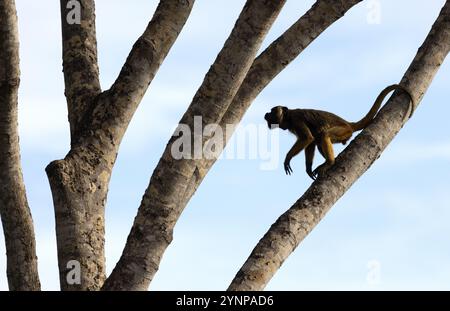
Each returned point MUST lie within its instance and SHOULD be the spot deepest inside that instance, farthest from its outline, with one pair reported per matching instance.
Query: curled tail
(376, 106)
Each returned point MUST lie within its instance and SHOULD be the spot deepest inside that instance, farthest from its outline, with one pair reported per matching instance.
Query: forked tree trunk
(294, 225)
(16, 216)
(79, 182)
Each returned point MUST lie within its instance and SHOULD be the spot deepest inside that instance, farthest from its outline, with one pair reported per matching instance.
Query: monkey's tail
(364, 122)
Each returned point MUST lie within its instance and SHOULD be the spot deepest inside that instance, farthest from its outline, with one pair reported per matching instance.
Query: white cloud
(157, 116)
(407, 153)
(47, 261)
(43, 125)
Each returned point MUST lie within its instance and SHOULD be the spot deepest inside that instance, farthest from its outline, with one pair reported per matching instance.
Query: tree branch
(81, 73)
(295, 224)
(79, 182)
(16, 216)
(153, 226)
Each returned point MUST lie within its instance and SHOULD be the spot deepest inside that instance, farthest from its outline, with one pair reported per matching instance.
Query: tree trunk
(294, 225)
(79, 182)
(170, 183)
(16, 216)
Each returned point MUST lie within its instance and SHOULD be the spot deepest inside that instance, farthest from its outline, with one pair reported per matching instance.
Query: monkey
(321, 129)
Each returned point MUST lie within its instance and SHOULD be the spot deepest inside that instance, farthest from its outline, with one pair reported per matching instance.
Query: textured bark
(160, 207)
(295, 224)
(269, 64)
(81, 74)
(16, 216)
(80, 181)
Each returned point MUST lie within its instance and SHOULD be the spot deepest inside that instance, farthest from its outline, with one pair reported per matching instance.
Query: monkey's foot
(320, 170)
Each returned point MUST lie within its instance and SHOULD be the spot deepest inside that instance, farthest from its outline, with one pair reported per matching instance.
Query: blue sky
(396, 215)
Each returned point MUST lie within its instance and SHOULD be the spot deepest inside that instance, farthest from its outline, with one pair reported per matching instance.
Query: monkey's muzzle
(271, 121)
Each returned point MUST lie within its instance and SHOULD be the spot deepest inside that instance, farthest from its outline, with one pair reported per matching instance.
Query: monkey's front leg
(298, 146)
(287, 165)
(309, 157)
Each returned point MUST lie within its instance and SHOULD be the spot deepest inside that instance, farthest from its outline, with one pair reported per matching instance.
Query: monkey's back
(319, 120)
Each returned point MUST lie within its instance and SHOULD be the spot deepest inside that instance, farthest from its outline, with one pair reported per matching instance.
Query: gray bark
(295, 224)
(17, 223)
(79, 52)
(172, 179)
(80, 181)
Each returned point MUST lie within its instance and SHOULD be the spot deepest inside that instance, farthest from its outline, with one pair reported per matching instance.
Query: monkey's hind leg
(325, 144)
(327, 151)
(340, 134)
(335, 134)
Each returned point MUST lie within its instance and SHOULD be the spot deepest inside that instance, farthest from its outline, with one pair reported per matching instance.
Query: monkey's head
(277, 117)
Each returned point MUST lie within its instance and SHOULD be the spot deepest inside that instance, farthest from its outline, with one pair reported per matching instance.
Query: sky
(388, 232)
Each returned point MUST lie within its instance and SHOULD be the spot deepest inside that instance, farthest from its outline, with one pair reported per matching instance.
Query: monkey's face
(276, 117)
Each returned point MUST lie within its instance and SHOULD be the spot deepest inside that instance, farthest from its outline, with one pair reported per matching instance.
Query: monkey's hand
(310, 173)
(320, 170)
(287, 166)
